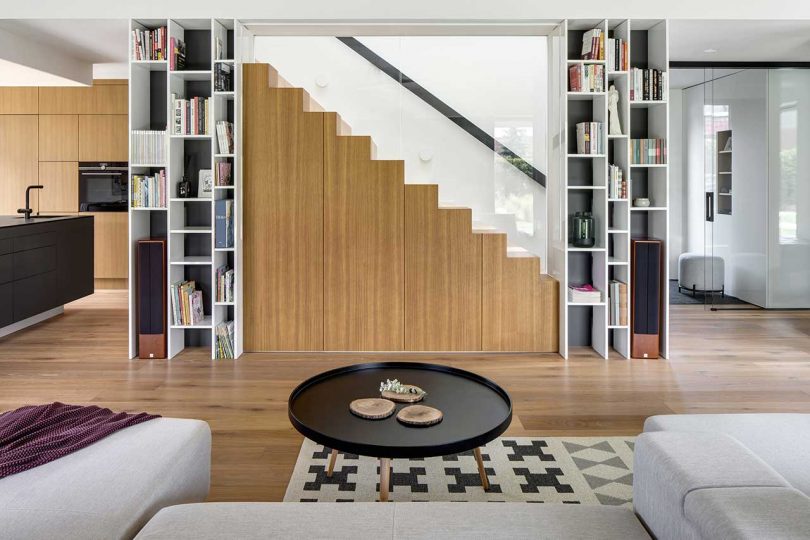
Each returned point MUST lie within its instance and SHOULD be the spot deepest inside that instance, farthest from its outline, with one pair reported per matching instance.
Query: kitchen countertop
(16, 221)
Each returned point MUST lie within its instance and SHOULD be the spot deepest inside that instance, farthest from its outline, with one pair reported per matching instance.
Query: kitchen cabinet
(111, 246)
(18, 100)
(18, 161)
(58, 137)
(96, 99)
(61, 191)
(103, 137)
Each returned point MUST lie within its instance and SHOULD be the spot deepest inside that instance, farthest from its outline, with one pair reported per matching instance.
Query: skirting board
(30, 321)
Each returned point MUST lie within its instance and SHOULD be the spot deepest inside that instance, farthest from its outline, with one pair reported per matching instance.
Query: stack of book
(584, 294)
(648, 151)
(223, 77)
(224, 348)
(191, 116)
(593, 45)
(149, 191)
(177, 58)
(586, 78)
(149, 44)
(225, 284)
(617, 185)
(223, 223)
(618, 55)
(187, 304)
(225, 137)
(589, 138)
(222, 173)
(148, 147)
(617, 295)
(648, 85)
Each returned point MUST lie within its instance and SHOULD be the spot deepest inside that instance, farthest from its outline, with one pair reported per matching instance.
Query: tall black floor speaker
(151, 298)
(646, 288)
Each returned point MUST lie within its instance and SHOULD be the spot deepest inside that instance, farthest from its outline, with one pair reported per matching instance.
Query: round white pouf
(701, 272)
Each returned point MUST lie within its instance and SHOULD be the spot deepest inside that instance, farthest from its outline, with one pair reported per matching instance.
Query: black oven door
(103, 187)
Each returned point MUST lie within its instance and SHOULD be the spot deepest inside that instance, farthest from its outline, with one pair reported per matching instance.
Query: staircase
(341, 255)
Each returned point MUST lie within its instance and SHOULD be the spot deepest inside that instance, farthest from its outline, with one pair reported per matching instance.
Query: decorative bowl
(641, 201)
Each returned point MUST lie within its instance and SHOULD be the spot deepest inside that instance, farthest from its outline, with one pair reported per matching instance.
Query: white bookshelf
(583, 182)
(188, 223)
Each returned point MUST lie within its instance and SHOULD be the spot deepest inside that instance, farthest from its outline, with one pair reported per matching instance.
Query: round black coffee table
(476, 411)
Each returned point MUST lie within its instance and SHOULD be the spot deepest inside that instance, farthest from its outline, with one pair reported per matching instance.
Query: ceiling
(739, 41)
(96, 41)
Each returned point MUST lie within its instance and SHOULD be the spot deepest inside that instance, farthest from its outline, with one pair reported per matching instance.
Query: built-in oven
(103, 187)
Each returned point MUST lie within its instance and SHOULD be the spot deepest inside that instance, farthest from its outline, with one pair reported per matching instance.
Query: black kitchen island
(45, 262)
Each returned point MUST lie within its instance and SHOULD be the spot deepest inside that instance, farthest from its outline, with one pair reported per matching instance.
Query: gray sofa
(111, 488)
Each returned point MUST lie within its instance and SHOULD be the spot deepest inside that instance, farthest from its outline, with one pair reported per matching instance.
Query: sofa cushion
(670, 465)
(111, 488)
(359, 521)
(780, 440)
(742, 513)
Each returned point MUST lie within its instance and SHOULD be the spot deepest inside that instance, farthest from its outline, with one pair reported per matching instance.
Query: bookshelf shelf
(190, 224)
(585, 178)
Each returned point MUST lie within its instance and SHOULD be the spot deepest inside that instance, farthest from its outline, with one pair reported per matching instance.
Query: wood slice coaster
(403, 398)
(420, 415)
(372, 408)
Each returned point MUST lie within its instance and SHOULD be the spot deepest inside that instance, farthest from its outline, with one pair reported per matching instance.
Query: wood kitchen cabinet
(101, 98)
(18, 100)
(58, 137)
(103, 137)
(61, 192)
(18, 161)
(111, 249)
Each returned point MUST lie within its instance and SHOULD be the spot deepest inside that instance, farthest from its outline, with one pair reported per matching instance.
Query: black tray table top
(476, 410)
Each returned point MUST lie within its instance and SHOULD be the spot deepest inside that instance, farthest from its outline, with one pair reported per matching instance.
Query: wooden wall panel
(283, 218)
(103, 137)
(363, 246)
(111, 251)
(442, 275)
(19, 100)
(58, 137)
(18, 161)
(514, 317)
(61, 191)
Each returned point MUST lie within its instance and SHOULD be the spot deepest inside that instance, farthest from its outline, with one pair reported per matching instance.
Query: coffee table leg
(481, 470)
(385, 478)
(332, 459)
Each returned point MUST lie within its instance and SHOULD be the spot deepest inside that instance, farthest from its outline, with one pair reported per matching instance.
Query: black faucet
(27, 210)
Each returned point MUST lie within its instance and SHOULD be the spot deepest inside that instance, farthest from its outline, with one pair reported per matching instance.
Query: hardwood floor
(733, 361)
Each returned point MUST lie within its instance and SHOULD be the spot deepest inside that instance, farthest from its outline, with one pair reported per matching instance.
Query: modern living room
(316, 271)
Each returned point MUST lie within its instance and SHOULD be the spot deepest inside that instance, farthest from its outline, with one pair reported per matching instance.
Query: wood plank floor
(729, 361)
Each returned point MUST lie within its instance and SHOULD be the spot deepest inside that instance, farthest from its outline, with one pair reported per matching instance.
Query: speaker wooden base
(644, 346)
(151, 346)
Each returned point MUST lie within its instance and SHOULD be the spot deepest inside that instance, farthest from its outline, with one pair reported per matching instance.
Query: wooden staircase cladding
(341, 255)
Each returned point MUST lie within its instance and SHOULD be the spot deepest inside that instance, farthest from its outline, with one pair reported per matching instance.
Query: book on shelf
(177, 58)
(149, 44)
(219, 49)
(223, 223)
(187, 304)
(225, 334)
(149, 191)
(617, 185)
(191, 116)
(223, 77)
(617, 297)
(148, 147)
(225, 277)
(648, 151)
(589, 138)
(222, 173)
(618, 55)
(593, 45)
(584, 294)
(586, 78)
(649, 85)
(225, 137)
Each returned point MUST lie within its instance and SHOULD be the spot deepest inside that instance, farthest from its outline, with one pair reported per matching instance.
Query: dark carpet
(682, 298)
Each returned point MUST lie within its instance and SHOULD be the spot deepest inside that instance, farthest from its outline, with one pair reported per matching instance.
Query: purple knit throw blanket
(37, 434)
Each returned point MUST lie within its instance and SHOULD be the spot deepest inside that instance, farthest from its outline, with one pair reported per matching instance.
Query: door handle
(710, 206)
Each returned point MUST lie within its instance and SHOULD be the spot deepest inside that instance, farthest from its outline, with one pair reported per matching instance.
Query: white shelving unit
(188, 223)
(583, 183)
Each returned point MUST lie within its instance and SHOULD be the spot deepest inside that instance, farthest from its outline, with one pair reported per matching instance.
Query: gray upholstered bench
(701, 273)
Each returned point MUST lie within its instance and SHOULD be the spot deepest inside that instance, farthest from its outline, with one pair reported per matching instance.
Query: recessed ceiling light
(710, 51)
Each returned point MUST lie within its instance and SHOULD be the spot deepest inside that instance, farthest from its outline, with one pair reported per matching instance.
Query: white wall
(493, 81)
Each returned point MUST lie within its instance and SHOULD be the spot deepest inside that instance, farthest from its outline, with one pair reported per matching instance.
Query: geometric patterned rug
(571, 470)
